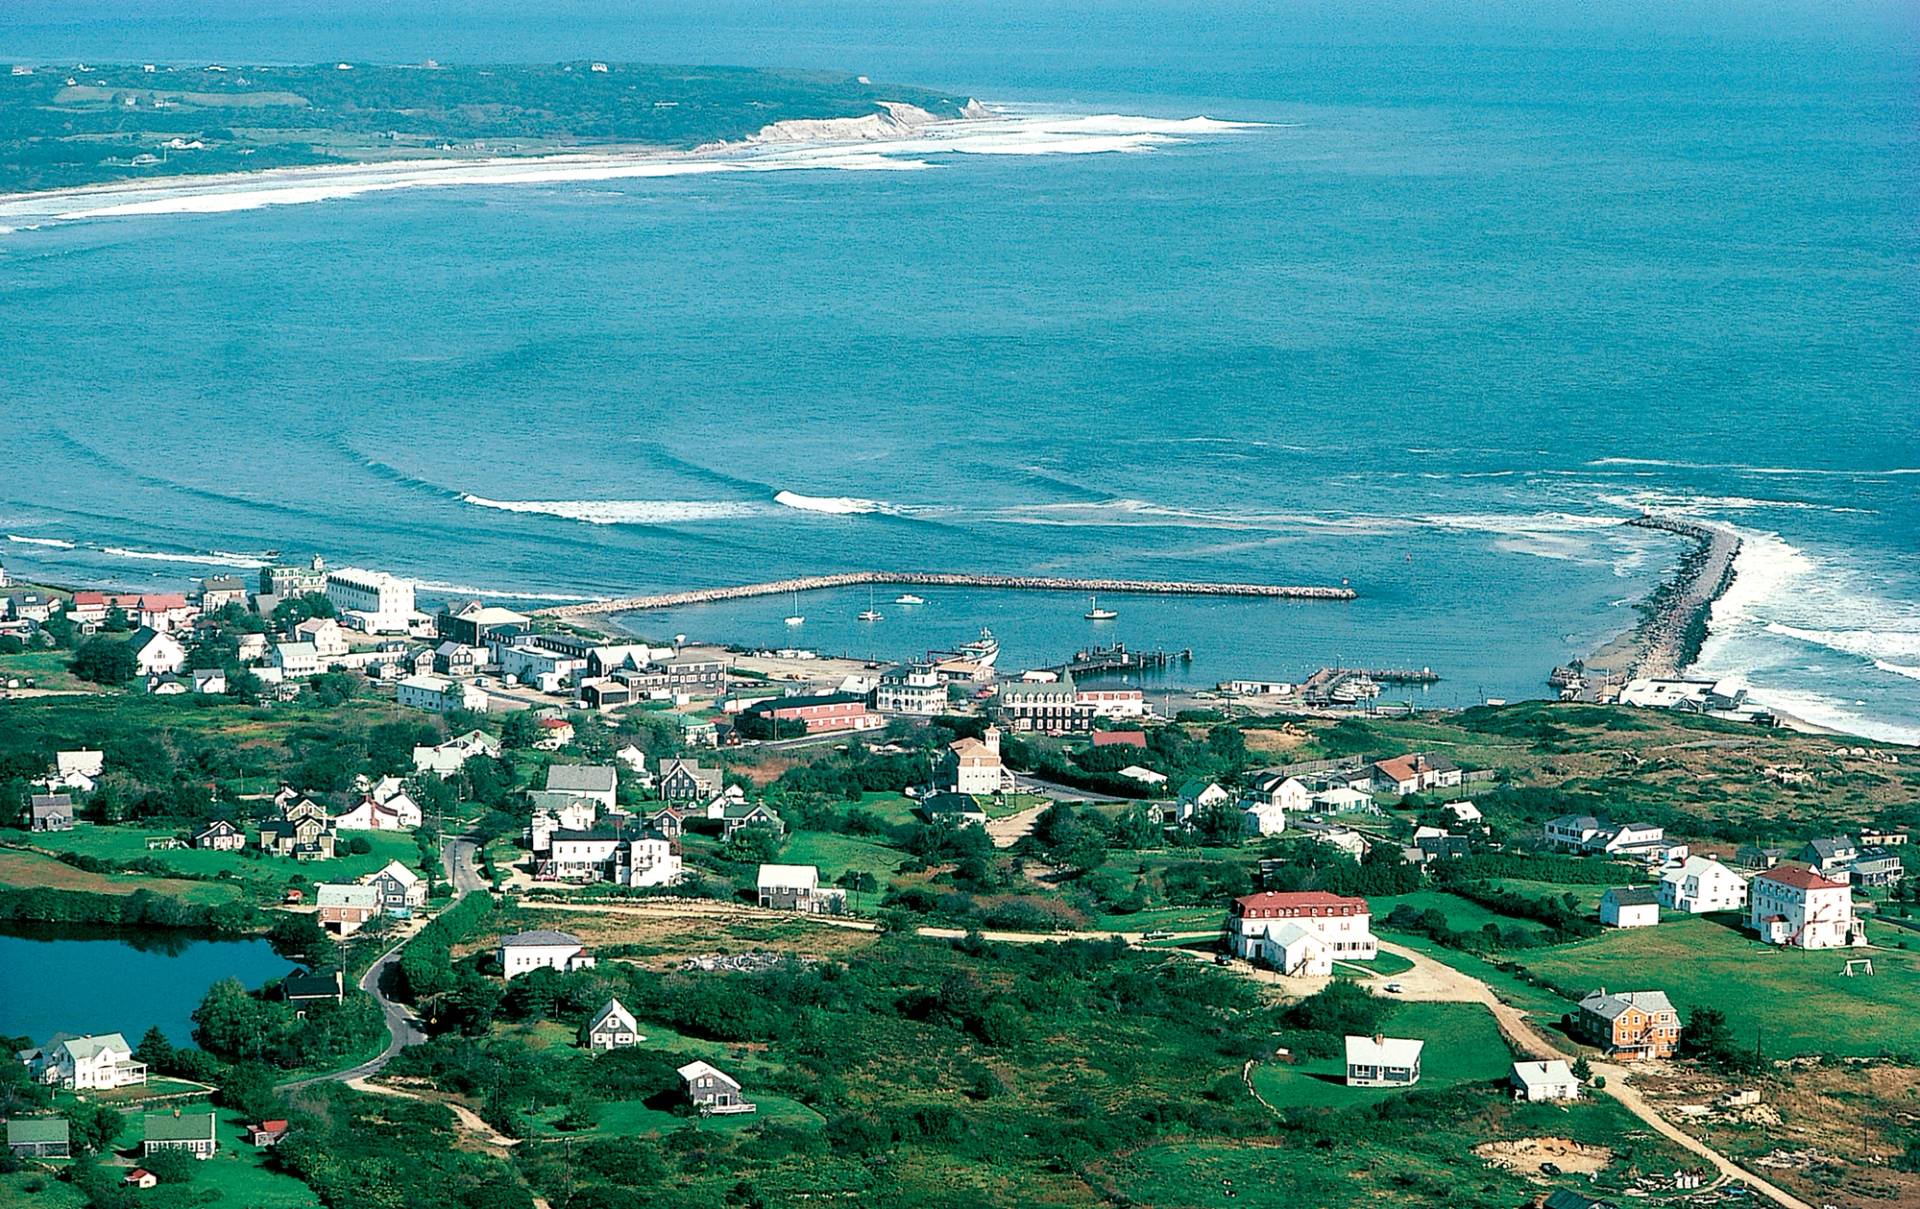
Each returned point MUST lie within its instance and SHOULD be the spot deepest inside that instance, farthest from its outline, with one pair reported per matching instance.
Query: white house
(541, 949)
(1196, 796)
(1292, 950)
(1346, 839)
(1343, 926)
(635, 761)
(1414, 773)
(651, 861)
(1574, 831)
(324, 635)
(973, 766)
(1383, 1061)
(1343, 799)
(398, 813)
(1285, 793)
(1464, 812)
(78, 769)
(1798, 908)
(1540, 1082)
(613, 1027)
(156, 654)
(798, 888)
(296, 660)
(1701, 884)
(1630, 907)
(1146, 776)
(99, 1061)
(438, 694)
(1263, 817)
(445, 759)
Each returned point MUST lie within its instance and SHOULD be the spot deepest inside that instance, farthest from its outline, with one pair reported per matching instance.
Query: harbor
(1673, 617)
(1115, 658)
(935, 579)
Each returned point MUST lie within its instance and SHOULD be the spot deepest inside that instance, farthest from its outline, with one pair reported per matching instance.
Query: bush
(359, 845)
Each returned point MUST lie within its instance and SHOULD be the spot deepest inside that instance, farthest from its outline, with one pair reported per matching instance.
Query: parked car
(1393, 988)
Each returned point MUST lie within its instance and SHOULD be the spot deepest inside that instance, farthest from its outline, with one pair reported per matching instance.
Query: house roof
(32, 1131)
(1291, 934)
(1798, 878)
(397, 871)
(187, 1127)
(697, 1069)
(538, 937)
(218, 826)
(1634, 896)
(1274, 899)
(329, 894)
(52, 803)
(1383, 1051)
(86, 1049)
(1532, 1074)
(804, 877)
(1577, 822)
(581, 778)
(1608, 1006)
(86, 762)
(324, 984)
(1119, 738)
(616, 1011)
(1831, 847)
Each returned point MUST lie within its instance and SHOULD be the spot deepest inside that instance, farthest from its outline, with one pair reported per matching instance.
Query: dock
(1117, 658)
(937, 579)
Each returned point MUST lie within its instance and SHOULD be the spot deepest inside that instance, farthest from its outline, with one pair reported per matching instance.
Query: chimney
(1379, 1038)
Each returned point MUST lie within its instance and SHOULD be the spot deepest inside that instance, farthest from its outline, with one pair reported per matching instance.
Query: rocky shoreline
(1673, 618)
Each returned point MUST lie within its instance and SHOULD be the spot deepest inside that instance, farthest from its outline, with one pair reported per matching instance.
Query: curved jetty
(1035, 583)
(1673, 619)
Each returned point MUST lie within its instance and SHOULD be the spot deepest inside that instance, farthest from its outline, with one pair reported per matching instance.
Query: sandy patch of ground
(1526, 1154)
(1280, 739)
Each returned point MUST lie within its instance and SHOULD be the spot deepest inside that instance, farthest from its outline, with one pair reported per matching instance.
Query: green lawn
(19, 868)
(1589, 896)
(836, 854)
(237, 1170)
(47, 669)
(1463, 1046)
(1797, 1001)
(631, 1118)
(1462, 914)
(264, 877)
(38, 1190)
(1165, 919)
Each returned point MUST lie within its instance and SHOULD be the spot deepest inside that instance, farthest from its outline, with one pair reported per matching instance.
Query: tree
(333, 689)
(1582, 1069)
(520, 729)
(154, 1050)
(105, 661)
(232, 1022)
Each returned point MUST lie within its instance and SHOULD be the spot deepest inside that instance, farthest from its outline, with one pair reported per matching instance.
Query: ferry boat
(908, 598)
(1096, 613)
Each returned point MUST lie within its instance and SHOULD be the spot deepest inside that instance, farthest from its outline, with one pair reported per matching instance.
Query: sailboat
(795, 618)
(1096, 613)
(871, 613)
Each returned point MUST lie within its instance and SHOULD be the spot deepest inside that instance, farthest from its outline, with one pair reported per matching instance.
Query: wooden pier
(935, 579)
(1117, 658)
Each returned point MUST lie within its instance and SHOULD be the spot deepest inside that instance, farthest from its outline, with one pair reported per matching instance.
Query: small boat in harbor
(908, 598)
(1096, 613)
(795, 617)
(871, 613)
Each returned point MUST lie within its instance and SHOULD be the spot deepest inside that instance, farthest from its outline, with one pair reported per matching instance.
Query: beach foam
(624, 512)
(215, 558)
(51, 542)
(835, 505)
(1029, 134)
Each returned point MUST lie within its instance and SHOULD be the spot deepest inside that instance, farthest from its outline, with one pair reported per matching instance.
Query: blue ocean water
(1479, 284)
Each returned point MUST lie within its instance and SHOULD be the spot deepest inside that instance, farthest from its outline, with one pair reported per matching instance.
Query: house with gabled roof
(596, 781)
(79, 769)
(221, 835)
(345, 908)
(192, 1132)
(1413, 773)
(50, 811)
(321, 986)
(612, 1027)
(1800, 909)
(1630, 907)
(99, 1061)
(712, 1090)
(1380, 1061)
(1343, 925)
(687, 781)
(1574, 831)
(1630, 1024)
(401, 891)
(1544, 1082)
(543, 949)
(38, 1138)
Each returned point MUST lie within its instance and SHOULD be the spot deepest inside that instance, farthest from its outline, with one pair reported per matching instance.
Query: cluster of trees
(238, 1025)
(1382, 872)
(141, 909)
(449, 997)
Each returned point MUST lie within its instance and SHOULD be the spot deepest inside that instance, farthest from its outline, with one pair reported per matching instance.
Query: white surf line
(899, 148)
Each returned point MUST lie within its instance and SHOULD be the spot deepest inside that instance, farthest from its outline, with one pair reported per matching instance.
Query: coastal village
(575, 836)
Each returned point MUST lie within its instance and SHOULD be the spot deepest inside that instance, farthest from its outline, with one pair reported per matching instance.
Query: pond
(60, 978)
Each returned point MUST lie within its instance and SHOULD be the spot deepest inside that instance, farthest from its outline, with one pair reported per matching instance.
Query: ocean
(1429, 306)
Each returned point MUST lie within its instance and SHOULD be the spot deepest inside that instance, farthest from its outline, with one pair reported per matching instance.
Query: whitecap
(835, 505)
(624, 512)
(51, 542)
(211, 559)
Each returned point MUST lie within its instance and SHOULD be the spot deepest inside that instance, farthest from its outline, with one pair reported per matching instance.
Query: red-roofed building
(1797, 907)
(1120, 738)
(161, 611)
(1413, 773)
(1342, 925)
(266, 1133)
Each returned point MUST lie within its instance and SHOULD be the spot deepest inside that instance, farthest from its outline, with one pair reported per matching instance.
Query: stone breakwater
(1673, 622)
(1033, 583)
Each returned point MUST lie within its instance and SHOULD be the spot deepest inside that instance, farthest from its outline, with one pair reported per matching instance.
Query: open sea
(1439, 296)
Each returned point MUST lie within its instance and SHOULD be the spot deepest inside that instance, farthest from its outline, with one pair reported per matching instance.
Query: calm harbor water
(1478, 286)
(81, 981)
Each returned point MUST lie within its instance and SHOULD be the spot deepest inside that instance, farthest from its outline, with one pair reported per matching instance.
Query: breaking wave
(835, 505)
(213, 558)
(51, 542)
(624, 512)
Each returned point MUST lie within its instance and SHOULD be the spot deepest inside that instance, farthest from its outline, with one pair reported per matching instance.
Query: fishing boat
(1096, 613)
(871, 613)
(908, 598)
(795, 617)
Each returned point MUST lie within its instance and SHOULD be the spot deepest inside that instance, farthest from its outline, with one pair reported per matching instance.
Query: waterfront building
(910, 688)
(94, 1062)
(479, 625)
(1042, 707)
(373, 601)
(819, 715)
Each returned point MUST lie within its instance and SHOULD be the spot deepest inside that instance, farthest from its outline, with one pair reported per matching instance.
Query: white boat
(795, 617)
(908, 598)
(871, 613)
(982, 650)
(1096, 613)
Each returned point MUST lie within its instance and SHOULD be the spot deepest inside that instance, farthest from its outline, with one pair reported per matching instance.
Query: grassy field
(264, 876)
(19, 868)
(47, 670)
(1796, 1001)
(1431, 1164)
(632, 1118)
(35, 1189)
(1463, 1046)
(237, 1172)
(1462, 914)
(837, 854)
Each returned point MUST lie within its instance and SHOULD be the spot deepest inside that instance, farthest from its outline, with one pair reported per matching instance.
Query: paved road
(402, 1030)
(462, 858)
(1028, 783)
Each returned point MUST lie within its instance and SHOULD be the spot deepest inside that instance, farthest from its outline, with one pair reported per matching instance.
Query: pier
(1117, 658)
(935, 579)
